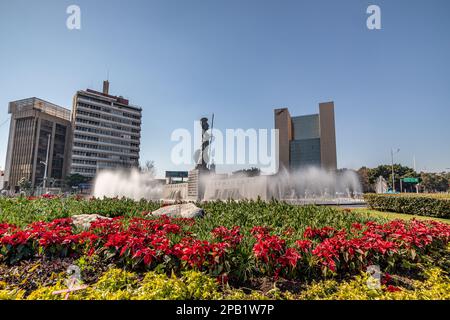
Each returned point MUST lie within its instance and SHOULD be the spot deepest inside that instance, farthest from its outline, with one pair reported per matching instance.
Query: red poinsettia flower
(391, 288)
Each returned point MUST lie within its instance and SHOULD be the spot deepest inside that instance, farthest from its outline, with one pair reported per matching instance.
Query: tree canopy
(428, 182)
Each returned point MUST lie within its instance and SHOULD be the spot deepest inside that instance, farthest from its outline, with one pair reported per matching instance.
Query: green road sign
(411, 180)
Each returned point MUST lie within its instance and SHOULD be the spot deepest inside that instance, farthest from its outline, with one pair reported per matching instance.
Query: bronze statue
(203, 153)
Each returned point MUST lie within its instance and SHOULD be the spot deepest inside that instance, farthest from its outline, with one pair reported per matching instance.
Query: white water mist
(131, 184)
(308, 183)
(315, 182)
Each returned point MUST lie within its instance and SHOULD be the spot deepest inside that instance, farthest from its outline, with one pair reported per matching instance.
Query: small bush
(193, 285)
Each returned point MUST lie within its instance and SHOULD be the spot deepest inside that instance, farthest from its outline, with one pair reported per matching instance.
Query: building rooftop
(117, 99)
(40, 105)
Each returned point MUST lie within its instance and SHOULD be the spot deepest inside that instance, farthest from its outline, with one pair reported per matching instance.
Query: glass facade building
(307, 141)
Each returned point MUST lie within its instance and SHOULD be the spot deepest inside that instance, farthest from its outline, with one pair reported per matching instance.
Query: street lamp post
(46, 164)
(392, 162)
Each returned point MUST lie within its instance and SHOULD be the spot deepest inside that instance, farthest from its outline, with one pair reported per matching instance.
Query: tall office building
(307, 140)
(37, 127)
(106, 132)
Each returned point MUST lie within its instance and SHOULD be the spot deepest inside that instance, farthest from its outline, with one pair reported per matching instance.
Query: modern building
(106, 132)
(38, 130)
(307, 140)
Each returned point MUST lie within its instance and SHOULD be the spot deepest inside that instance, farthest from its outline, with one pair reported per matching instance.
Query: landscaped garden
(245, 250)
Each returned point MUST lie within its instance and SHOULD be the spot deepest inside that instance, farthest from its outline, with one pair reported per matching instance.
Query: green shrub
(160, 287)
(11, 294)
(117, 284)
(436, 286)
(409, 204)
(238, 294)
(6, 294)
(192, 285)
(47, 293)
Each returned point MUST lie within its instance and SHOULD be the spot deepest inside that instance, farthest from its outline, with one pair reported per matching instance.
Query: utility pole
(393, 174)
(46, 163)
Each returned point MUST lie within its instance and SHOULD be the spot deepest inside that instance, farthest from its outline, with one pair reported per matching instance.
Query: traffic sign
(411, 180)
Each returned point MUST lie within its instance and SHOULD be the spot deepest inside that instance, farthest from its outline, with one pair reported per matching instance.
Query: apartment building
(106, 132)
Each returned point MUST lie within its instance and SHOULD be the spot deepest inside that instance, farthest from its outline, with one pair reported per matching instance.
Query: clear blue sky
(180, 60)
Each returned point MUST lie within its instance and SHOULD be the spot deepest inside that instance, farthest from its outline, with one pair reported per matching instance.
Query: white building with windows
(106, 132)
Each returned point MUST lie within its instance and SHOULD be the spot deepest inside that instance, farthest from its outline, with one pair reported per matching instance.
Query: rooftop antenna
(106, 83)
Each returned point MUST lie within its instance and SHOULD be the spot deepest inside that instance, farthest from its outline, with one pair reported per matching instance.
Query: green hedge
(410, 204)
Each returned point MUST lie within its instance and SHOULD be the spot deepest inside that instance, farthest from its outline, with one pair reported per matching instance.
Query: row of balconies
(87, 117)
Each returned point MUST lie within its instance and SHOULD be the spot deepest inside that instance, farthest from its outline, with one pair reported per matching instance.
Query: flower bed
(250, 244)
(343, 252)
(168, 245)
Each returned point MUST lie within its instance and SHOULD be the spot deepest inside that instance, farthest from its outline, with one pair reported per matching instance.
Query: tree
(24, 184)
(430, 182)
(382, 170)
(447, 176)
(75, 179)
(252, 172)
(149, 168)
(363, 174)
(386, 172)
(434, 182)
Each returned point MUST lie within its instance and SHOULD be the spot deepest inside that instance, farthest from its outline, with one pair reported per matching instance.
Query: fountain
(127, 183)
(381, 185)
(310, 185)
(305, 186)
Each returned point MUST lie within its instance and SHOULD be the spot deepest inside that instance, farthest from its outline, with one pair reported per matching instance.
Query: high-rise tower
(307, 140)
